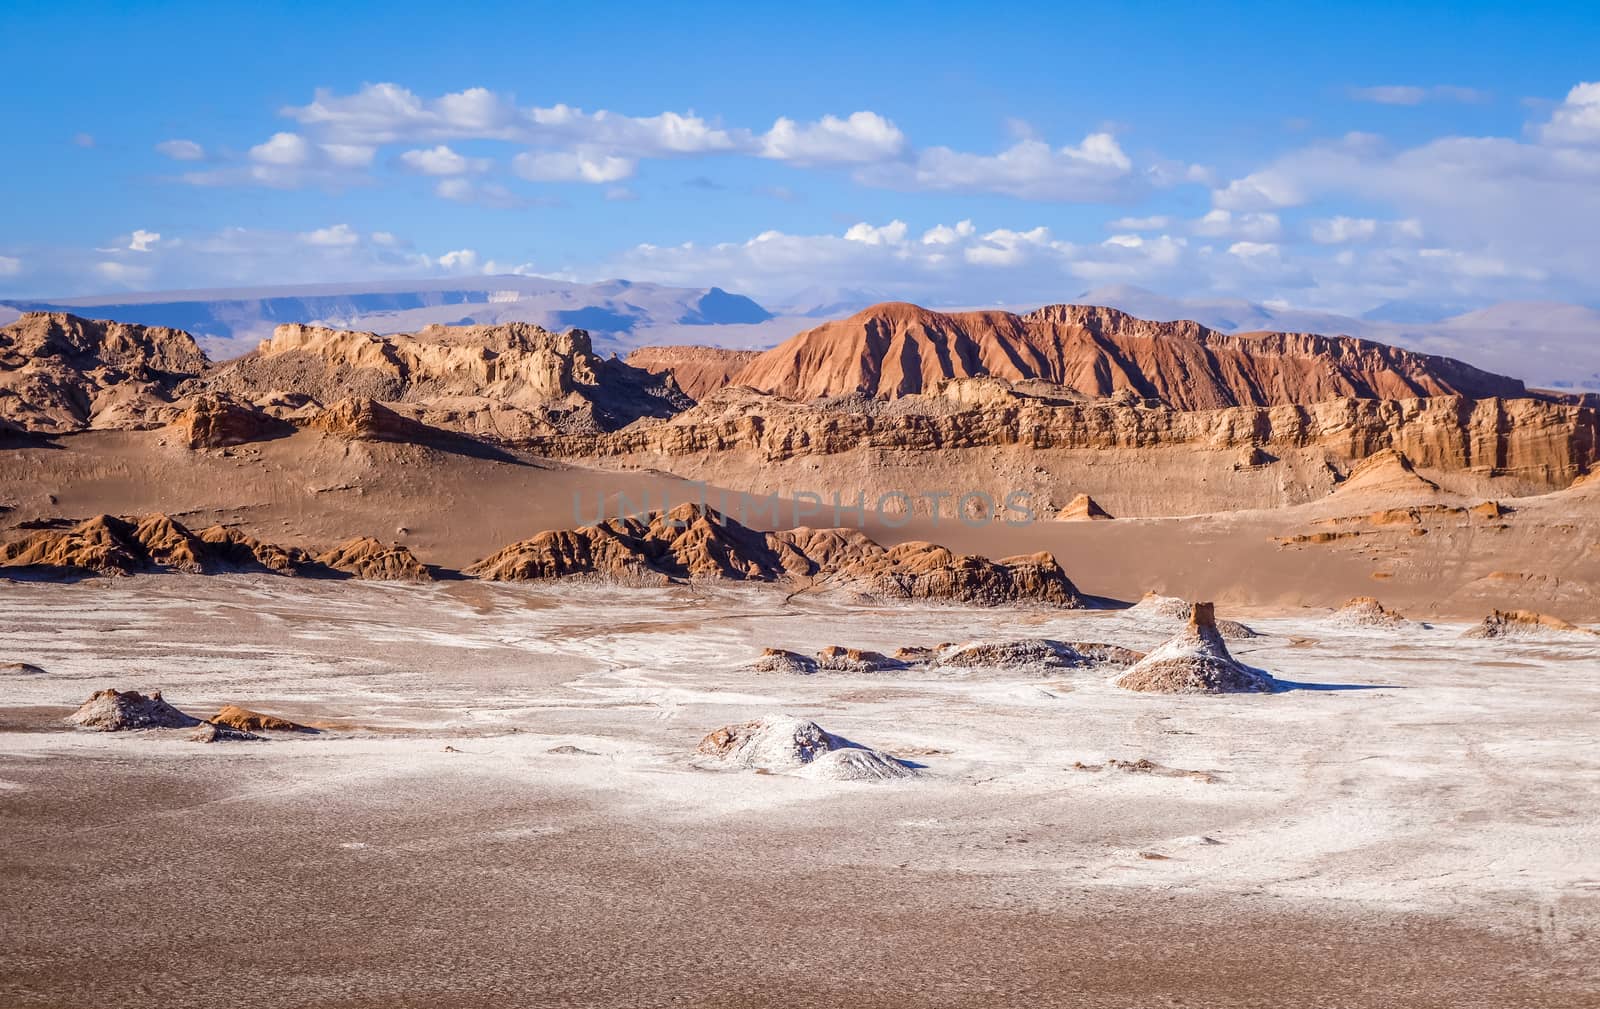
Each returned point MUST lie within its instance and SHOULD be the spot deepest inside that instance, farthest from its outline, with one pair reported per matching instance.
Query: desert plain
(670, 758)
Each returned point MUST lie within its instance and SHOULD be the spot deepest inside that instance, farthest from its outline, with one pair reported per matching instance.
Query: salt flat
(1413, 822)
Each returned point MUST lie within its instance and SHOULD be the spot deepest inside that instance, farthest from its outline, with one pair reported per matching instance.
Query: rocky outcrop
(109, 545)
(217, 420)
(698, 371)
(508, 381)
(1386, 473)
(1082, 509)
(369, 559)
(245, 720)
(692, 541)
(60, 373)
(113, 710)
(1544, 443)
(1528, 624)
(897, 349)
(1196, 661)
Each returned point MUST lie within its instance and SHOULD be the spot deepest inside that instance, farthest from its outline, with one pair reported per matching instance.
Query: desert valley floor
(503, 803)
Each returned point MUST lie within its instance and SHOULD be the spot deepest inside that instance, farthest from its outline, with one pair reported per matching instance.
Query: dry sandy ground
(313, 490)
(1418, 829)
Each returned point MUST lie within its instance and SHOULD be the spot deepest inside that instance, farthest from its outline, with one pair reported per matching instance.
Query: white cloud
(944, 234)
(1159, 222)
(1340, 230)
(1577, 119)
(893, 233)
(291, 161)
(860, 137)
(1005, 247)
(390, 113)
(459, 261)
(1255, 226)
(10, 266)
(289, 150)
(142, 241)
(441, 160)
(1409, 94)
(182, 150)
(339, 235)
(1247, 250)
(1095, 169)
(572, 166)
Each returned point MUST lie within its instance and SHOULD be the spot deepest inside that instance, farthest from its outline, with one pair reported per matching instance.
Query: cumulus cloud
(337, 235)
(142, 241)
(572, 166)
(1256, 226)
(10, 266)
(1577, 119)
(1339, 230)
(182, 150)
(859, 137)
(441, 160)
(290, 161)
(1095, 169)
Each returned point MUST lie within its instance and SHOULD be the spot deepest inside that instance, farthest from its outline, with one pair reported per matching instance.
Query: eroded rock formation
(60, 373)
(897, 349)
(692, 541)
(1195, 661)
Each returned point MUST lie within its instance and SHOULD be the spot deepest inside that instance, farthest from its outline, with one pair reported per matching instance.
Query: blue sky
(1340, 157)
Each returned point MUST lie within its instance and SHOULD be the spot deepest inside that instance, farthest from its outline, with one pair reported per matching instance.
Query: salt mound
(1196, 661)
(211, 732)
(1527, 624)
(855, 764)
(1365, 611)
(780, 743)
(1174, 608)
(246, 720)
(855, 660)
(781, 660)
(1162, 606)
(115, 710)
(1034, 652)
(1082, 508)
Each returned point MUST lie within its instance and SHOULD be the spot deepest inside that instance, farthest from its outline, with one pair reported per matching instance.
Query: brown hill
(897, 349)
(505, 382)
(60, 373)
(692, 541)
(697, 370)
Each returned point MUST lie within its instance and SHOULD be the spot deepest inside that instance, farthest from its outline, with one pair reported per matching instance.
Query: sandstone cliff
(502, 381)
(897, 349)
(697, 370)
(1551, 444)
(60, 373)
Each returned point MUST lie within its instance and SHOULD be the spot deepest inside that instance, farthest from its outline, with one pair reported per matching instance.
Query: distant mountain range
(1548, 344)
(618, 314)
